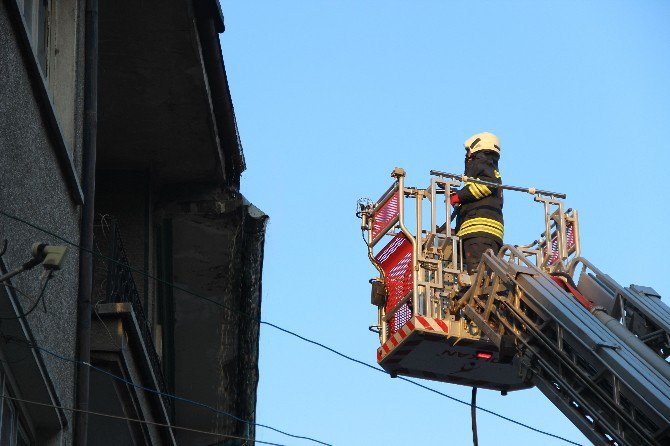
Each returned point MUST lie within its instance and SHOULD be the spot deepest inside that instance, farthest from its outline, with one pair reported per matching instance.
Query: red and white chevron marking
(416, 323)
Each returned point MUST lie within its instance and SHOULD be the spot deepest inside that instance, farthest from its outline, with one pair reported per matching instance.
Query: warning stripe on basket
(417, 323)
(431, 324)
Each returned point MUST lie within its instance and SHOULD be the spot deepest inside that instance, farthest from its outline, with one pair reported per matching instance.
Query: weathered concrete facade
(168, 211)
(38, 181)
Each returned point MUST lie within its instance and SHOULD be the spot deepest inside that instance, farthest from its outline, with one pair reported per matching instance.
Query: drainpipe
(87, 216)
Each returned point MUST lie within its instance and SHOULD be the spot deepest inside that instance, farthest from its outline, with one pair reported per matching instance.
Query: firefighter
(478, 207)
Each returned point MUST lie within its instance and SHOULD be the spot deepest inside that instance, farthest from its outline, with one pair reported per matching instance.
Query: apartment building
(118, 139)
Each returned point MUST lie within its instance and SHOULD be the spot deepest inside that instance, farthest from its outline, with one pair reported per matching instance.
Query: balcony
(122, 343)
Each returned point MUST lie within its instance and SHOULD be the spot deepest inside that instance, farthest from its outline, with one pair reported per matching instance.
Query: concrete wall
(34, 187)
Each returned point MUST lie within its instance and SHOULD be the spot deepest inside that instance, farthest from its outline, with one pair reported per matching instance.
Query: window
(36, 17)
(12, 432)
(7, 420)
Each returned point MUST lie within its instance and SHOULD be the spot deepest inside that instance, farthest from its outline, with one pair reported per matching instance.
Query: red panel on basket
(384, 215)
(570, 235)
(396, 261)
(552, 249)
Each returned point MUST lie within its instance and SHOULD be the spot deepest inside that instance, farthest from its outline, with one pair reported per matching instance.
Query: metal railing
(432, 281)
(120, 287)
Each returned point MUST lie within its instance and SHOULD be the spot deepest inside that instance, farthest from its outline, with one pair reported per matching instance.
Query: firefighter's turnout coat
(480, 210)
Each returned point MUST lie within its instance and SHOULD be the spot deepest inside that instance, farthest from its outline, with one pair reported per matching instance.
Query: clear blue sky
(331, 95)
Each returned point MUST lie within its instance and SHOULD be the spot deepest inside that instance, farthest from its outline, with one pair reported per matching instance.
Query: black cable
(277, 327)
(125, 265)
(137, 420)
(34, 305)
(502, 417)
(16, 361)
(473, 416)
(6, 284)
(9, 338)
(402, 378)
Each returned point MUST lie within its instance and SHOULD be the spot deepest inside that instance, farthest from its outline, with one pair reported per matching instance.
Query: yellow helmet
(482, 141)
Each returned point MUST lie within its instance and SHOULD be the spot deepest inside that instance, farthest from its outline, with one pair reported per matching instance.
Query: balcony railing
(118, 286)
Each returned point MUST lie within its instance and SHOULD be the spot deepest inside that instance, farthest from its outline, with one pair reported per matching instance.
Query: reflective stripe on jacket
(481, 224)
(480, 211)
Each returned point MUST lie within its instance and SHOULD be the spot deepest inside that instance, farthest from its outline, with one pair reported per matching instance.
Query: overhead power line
(137, 420)
(119, 378)
(154, 391)
(125, 265)
(35, 303)
(284, 330)
(490, 412)
(402, 378)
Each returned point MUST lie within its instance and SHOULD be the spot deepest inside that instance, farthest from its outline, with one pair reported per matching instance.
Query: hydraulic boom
(534, 315)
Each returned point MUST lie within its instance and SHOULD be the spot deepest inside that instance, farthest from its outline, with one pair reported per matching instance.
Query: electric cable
(8, 285)
(490, 412)
(125, 265)
(137, 420)
(155, 391)
(35, 304)
(10, 338)
(473, 416)
(277, 327)
(430, 389)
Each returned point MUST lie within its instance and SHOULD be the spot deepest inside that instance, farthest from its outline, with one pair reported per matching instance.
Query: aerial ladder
(532, 315)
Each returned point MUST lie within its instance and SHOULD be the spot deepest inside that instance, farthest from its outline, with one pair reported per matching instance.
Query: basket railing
(422, 267)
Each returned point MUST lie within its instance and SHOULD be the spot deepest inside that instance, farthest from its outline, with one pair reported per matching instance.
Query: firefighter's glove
(454, 200)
